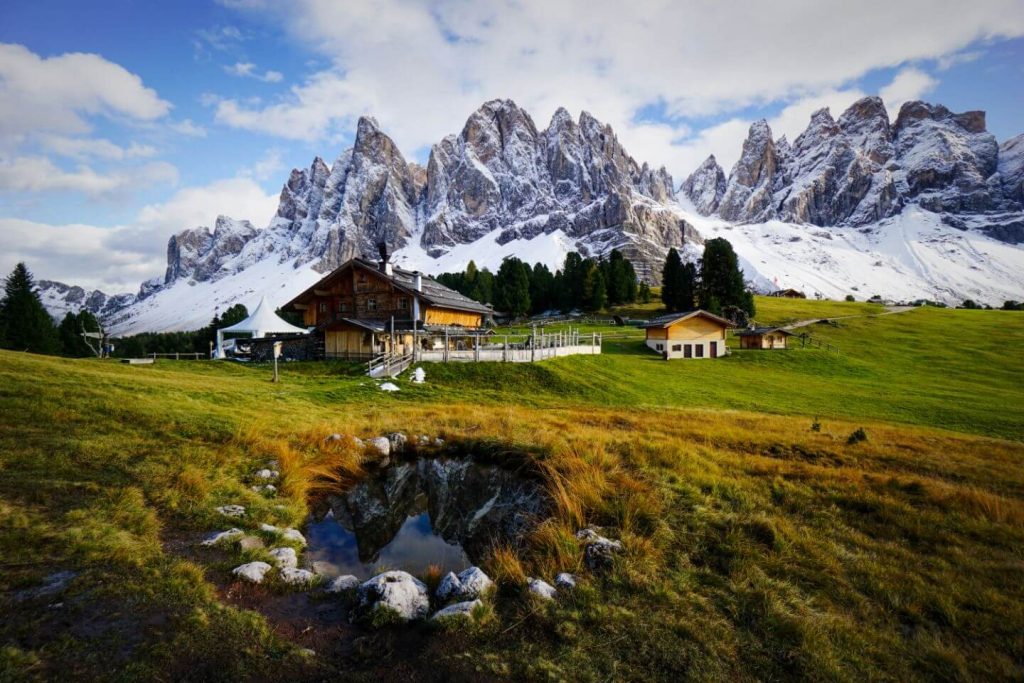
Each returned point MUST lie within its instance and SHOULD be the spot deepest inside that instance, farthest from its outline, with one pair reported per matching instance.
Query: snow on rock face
(502, 187)
(860, 170)
(502, 174)
(398, 591)
(200, 254)
(61, 299)
(1011, 168)
(947, 158)
(748, 194)
(705, 186)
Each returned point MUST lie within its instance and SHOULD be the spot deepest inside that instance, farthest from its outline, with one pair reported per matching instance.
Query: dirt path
(889, 310)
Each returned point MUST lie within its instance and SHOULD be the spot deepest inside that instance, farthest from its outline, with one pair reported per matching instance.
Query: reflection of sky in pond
(414, 548)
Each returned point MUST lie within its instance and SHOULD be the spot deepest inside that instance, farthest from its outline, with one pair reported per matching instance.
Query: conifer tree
(721, 280)
(512, 288)
(25, 324)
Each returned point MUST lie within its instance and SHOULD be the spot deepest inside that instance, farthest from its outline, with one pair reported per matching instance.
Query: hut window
(323, 306)
(342, 306)
(403, 304)
(660, 347)
(371, 304)
(676, 348)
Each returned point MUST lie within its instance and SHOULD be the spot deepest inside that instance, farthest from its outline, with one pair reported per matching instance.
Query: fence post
(445, 343)
(504, 351)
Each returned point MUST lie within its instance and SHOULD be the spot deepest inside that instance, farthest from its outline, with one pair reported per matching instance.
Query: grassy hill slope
(756, 547)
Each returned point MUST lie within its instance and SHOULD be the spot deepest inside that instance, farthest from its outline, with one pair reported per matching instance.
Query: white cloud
(58, 94)
(420, 69)
(909, 84)
(39, 174)
(118, 258)
(98, 148)
(188, 129)
(218, 38)
(267, 167)
(248, 70)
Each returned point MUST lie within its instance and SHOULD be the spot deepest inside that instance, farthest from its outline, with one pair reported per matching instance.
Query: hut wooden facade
(364, 309)
(694, 334)
(764, 338)
(789, 294)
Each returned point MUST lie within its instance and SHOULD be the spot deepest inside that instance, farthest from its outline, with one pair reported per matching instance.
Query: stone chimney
(385, 264)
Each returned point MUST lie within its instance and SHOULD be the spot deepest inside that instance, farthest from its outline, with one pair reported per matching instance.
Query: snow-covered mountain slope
(913, 255)
(927, 207)
(189, 304)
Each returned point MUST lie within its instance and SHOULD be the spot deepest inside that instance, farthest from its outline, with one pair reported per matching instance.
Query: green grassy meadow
(761, 544)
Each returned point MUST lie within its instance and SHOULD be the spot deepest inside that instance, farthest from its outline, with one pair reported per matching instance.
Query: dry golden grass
(755, 548)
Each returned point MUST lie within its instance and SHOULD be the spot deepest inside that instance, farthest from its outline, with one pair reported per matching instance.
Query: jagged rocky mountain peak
(916, 110)
(860, 169)
(705, 186)
(501, 181)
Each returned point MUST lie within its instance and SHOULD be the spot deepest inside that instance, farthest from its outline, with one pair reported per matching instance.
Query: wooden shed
(693, 334)
(764, 338)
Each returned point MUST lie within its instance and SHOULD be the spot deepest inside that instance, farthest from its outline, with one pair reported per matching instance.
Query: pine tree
(542, 288)
(25, 324)
(234, 315)
(643, 294)
(512, 288)
(721, 280)
(595, 290)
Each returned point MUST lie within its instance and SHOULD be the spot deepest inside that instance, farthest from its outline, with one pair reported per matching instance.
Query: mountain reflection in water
(410, 516)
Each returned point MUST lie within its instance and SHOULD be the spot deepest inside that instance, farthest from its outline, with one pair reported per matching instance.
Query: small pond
(443, 512)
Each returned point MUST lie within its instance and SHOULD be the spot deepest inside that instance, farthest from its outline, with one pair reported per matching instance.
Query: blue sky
(122, 122)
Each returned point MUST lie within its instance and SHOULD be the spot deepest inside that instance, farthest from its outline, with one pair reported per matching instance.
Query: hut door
(714, 349)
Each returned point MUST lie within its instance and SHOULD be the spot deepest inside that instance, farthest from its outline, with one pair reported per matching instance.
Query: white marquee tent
(261, 323)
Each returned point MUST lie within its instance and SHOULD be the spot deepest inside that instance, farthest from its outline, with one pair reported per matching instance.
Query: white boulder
(467, 585)
(458, 610)
(252, 571)
(297, 577)
(381, 444)
(219, 537)
(293, 535)
(266, 474)
(398, 591)
(389, 386)
(565, 581)
(598, 550)
(541, 588)
(398, 440)
(418, 376)
(285, 557)
(340, 584)
(269, 528)
(231, 510)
